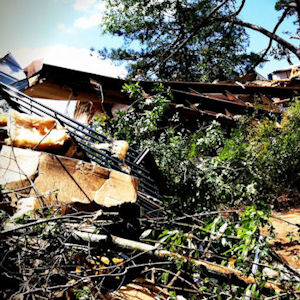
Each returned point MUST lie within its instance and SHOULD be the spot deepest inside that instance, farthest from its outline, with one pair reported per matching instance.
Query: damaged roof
(197, 99)
(12, 73)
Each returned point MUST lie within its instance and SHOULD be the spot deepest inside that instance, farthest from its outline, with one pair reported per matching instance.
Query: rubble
(65, 180)
(79, 227)
(223, 100)
(86, 144)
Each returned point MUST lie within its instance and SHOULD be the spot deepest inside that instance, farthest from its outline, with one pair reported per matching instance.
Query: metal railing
(86, 137)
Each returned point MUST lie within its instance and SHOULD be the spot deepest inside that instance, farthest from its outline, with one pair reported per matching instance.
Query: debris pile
(76, 181)
(82, 218)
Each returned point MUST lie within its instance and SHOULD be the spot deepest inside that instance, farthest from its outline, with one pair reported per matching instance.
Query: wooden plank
(265, 99)
(234, 98)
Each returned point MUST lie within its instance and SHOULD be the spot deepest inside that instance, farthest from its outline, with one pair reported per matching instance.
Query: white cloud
(62, 27)
(69, 57)
(92, 17)
(87, 22)
(83, 5)
(100, 6)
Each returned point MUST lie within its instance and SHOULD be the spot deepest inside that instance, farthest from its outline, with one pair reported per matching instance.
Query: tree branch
(156, 251)
(200, 24)
(263, 31)
(297, 2)
(240, 8)
(272, 38)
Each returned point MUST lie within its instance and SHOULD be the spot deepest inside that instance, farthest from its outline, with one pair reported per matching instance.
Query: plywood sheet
(17, 166)
(65, 180)
(74, 180)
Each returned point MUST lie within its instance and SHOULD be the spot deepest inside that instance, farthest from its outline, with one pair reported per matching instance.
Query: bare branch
(154, 250)
(297, 4)
(240, 8)
(263, 31)
(272, 38)
(288, 58)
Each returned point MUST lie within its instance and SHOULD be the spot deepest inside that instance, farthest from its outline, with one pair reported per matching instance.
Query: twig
(42, 221)
(286, 221)
(282, 295)
(154, 250)
(206, 230)
(16, 190)
(175, 274)
(174, 279)
(87, 278)
(240, 8)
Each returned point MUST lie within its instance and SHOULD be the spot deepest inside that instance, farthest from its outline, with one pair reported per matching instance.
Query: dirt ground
(287, 236)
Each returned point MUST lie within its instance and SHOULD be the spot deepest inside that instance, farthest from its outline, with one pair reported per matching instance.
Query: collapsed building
(83, 95)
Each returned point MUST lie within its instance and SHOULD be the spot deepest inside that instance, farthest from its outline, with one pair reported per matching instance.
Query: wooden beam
(233, 98)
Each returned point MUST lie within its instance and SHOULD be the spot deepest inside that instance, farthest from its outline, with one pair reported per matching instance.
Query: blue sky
(63, 31)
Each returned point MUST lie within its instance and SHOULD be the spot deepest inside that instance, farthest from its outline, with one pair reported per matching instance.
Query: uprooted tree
(188, 39)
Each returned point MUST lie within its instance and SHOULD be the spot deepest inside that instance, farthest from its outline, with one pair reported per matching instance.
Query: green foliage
(142, 119)
(247, 229)
(257, 161)
(23, 219)
(152, 30)
(83, 293)
(211, 168)
(231, 239)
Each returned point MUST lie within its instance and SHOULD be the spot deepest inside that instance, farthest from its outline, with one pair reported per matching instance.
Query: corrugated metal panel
(12, 73)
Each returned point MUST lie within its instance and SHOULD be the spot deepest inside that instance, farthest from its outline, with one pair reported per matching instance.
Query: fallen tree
(208, 242)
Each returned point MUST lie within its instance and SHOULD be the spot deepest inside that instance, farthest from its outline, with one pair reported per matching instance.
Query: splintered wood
(118, 186)
(72, 180)
(34, 132)
(139, 289)
(75, 180)
(118, 148)
(3, 119)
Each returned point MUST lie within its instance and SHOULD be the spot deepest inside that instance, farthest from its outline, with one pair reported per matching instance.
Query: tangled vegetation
(223, 185)
(214, 240)
(255, 162)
